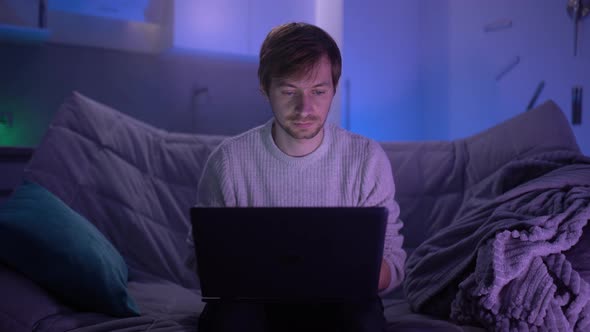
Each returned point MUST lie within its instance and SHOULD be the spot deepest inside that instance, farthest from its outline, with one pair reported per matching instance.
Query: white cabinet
(211, 25)
(234, 26)
(21, 13)
(22, 21)
(138, 26)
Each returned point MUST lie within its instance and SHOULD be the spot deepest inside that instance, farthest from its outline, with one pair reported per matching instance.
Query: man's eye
(288, 93)
(319, 92)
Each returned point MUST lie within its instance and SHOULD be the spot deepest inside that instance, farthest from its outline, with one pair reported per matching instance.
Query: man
(296, 159)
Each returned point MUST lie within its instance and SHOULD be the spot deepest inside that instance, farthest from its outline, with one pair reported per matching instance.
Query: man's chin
(304, 133)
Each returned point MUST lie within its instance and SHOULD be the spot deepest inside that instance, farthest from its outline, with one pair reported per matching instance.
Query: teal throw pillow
(43, 238)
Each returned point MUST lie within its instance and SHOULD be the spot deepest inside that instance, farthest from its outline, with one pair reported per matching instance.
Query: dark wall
(12, 163)
(162, 90)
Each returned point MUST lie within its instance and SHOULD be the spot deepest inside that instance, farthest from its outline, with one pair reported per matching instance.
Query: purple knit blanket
(501, 263)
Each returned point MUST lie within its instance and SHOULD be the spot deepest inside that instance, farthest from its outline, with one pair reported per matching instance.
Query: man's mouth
(303, 124)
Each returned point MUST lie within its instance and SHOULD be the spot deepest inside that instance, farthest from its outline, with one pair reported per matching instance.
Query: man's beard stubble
(295, 118)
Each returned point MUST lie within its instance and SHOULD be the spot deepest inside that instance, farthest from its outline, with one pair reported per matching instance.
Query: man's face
(301, 103)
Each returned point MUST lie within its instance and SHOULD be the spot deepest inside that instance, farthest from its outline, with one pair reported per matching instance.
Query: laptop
(289, 254)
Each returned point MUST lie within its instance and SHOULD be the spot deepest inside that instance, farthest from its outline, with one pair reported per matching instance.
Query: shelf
(22, 34)
(108, 33)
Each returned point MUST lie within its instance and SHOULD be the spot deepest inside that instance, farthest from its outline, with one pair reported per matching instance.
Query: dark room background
(413, 70)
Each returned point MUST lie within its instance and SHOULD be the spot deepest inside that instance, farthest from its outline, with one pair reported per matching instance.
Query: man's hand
(384, 275)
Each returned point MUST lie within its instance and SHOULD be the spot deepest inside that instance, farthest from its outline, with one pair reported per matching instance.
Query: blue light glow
(132, 10)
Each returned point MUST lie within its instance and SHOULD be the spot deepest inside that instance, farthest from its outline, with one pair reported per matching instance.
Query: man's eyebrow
(322, 84)
(283, 83)
(287, 84)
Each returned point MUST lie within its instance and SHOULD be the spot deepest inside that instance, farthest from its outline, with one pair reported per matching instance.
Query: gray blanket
(501, 262)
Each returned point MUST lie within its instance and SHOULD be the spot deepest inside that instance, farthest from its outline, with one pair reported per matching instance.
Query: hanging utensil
(577, 10)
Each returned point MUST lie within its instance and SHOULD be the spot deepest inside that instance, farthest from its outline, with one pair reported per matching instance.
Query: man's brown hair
(294, 48)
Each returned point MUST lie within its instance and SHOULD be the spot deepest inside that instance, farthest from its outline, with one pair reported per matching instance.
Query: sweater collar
(272, 147)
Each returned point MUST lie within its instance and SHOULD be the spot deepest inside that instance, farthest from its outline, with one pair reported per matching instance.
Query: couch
(134, 184)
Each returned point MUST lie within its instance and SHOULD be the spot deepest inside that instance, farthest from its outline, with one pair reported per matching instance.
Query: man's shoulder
(251, 136)
(352, 140)
(363, 150)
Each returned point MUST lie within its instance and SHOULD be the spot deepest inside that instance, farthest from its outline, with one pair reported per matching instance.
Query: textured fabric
(165, 307)
(579, 255)
(23, 302)
(134, 182)
(501, 262)
(54, 246)
(345, 170)
(522, 279)
(433, 179)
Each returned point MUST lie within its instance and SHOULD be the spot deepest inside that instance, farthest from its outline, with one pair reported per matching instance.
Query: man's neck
(296, 147)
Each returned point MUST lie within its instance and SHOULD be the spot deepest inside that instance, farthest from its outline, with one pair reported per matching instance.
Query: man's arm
(384, 276)
(378, 189)
(214, 189)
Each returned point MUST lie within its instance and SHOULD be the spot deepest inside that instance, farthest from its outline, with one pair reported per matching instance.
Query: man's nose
(304, 103)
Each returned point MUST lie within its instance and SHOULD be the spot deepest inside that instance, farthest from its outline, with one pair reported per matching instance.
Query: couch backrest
(429, 185)
(136, 183)
(433, 179)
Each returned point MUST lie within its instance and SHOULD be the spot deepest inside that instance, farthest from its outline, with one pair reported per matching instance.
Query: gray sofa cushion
(134, 182)
(429, 185)
(433, 179)
(24, 302)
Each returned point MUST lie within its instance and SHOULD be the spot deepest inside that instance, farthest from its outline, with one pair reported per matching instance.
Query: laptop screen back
(289, 254)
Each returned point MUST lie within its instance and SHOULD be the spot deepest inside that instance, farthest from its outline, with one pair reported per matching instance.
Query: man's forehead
(320, 73)
(301, 82)
(309, 78)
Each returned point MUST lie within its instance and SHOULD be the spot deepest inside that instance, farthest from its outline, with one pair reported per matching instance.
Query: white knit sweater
(345, 170)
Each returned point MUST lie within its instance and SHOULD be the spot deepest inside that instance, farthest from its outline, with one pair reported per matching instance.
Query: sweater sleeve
(214, 189)
(215, 186)
(378, 189)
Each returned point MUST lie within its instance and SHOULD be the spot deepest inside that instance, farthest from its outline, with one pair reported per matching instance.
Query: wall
(433, 70)
(329, 16)
(426, 70)
(12, 164)
(381, 69)
(541, 34)
(161, 90)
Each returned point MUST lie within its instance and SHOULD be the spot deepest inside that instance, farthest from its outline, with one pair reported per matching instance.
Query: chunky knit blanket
(502, 263)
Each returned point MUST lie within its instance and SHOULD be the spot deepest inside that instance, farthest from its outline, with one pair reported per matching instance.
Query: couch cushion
(433, 179)
(24, 302)
(135, 182)
(60, 250)
(429, 185)
(542, 129)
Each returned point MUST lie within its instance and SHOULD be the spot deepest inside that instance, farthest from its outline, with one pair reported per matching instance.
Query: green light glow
(26, 129)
